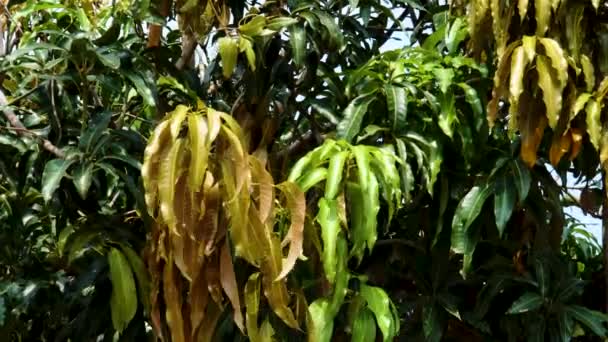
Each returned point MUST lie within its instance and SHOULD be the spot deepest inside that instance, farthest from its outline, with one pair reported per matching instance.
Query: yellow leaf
(594, 125)
(558, 59)
(197, 132)
(542, 9)
(523, 9)
(228, 50)
(246, 47)
(552, 92)
(159, 143)
(604, 150)
(588, 72)
(170, 168)
(519, 62)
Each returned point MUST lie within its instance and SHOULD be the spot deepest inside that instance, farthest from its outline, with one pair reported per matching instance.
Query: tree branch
(23, 131)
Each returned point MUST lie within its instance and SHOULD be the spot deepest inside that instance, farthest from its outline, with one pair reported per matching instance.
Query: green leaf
(504, 201)
(350, 125)
(522, 178)
(529, 301)
(588, 72)
(320, 321)
(297, 39)
(384, 311)
(246, 46)
(96, 128)
(3, 312)
(143, 89)
(447, 117)
(110, 60)
(594, 320)
(54, 171)
(334, 174)
(228, 49)
(464, 240)
(430, 323)
(254, 26)
(594, 124)
(364, 327)
(405, 171)
(279, 23)
(82, 178)
(472, 98)
(444, 78)
(552, 90)
(396, 101)
(123, 301)
(141, 275)
(330, 229)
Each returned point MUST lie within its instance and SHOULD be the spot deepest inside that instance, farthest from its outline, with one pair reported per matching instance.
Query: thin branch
(23, 131)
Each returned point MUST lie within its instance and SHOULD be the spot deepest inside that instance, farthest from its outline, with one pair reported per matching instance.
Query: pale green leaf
(364, 327)
(334, 174)
(123, 300)
(254, 26)
(529, 301)
(246, 47)
(447, 117)
(228, 50)
(472, 98)
(330, 229)
(279, 23)
(384, 312)
(320, 321)
(444, 78)
(350, 125)
(54, 171)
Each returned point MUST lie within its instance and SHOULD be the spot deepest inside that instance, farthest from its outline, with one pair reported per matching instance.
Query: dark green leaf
(594, 320)
(54, 171)
(379, 303)
(430, 323)
(396, 101)
(350, 125)
(529, 301)
(143, 89)
(297, 39)
(522, 179)
(96, 128)
(504, 201)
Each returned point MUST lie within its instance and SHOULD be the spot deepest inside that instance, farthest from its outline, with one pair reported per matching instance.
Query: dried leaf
(173, 302)
(559, 147)
(577, 142)
(532, 128)
(228, 281)
(296, 203)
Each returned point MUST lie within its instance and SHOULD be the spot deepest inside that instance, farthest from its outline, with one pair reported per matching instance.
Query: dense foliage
(210, 170)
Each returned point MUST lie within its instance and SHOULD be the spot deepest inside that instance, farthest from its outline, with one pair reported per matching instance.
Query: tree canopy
(218, 170)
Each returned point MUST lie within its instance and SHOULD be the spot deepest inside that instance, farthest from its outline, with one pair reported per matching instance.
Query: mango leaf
(431, 325)
(444, 78)
(593, 320)
(364, 327)
(82, 178)
(330, 229)
(464, 240)
(141, 275)
(111, 60)
(228, 49)
(297, 39)
(123, 300)
(396, 101)
(54, 171)
(252, 305)
(96, 128)
(504, 201)
(320, 321)
(594, 124)
(254, 26)
(522, 6)
(279, 23)
(588, 72)
(552, 90)
(142, 87)
(558, 59)
(522, 179)
(334, 174)
(529, 301)
(472, 98)
(350, 125)
(246, 46)
(296, 203)
(382, 308)
(519, 62)
(447, 117)
(542, 8)
(228, 281)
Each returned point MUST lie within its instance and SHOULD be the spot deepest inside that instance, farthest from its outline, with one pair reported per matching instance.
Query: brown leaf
(577, 142)
(559, 147)
(265, 188)
(532, 128)
(212, 278)
(199, 297)
(296, 202)
(206, 330)
(173, 303)
(209, 222)
(228, 281)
